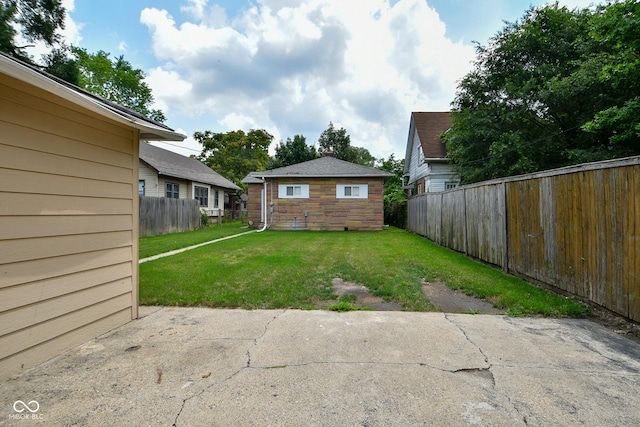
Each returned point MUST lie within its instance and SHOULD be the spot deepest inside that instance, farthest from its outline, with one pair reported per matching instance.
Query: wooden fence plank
(159, 215)
(574, 228)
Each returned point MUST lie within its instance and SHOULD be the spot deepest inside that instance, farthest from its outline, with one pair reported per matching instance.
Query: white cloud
(291, 67)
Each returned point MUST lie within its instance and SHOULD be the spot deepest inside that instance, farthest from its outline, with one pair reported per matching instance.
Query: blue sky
(291, 66)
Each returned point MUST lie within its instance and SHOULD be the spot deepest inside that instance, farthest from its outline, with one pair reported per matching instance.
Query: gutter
(263, 207)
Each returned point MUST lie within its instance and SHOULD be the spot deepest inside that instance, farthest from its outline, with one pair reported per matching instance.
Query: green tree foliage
(117, 81)
(339, 142)
(292, 152)
(395, 198)
(616, 29)
(38, 20)
(539, 96)
(60, 64)
(234, 154)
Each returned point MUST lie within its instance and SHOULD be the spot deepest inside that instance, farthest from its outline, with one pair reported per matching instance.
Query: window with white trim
(352, 191)
(172, 190)
(450, 185)
(201, 194)
(293, 191)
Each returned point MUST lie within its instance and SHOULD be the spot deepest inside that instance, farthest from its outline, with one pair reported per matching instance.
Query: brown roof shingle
(429, 125)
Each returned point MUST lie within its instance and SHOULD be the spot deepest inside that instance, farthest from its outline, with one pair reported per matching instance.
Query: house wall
(254, 199)
(183, 191)
(324, 210)
(150, 177)
(427, 175)
(417, 167)
(68, 225)
(438, 176)
(155, 187)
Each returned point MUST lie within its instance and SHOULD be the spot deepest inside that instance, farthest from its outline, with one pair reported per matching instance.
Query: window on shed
(450, 185)
(352, 191)
(201, 194)
(172, 190)
(141, 187)
(293, 191)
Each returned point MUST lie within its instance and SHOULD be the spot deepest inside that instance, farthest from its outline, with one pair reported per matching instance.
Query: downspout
(263, 207)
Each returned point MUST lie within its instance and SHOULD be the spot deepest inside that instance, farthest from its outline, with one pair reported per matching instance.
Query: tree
(116, 81)
(339, 142)
(530, 102)
(60, 64)
(616, 28)
(38, 20)
(395, 198)
(292, 152)
(234, 154)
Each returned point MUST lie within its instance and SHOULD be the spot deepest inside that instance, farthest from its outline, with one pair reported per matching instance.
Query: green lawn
(154, 245)
(294, 270)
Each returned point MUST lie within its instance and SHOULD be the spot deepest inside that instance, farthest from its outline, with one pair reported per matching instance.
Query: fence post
(505, 229)
(464, 221)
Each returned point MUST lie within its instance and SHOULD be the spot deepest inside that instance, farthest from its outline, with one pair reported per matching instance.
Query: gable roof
(428, 125)
(176, 166)
(322, 167)
(149, 129)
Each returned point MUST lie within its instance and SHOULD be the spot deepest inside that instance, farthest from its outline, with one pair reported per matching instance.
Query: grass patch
(154, 245)
(295, 269)
(343, 306)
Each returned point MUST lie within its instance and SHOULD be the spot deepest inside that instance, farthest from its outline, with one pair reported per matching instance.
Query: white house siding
(68, 225)
(183, 192)
(440, 174)
(150, 178)
(418, 168)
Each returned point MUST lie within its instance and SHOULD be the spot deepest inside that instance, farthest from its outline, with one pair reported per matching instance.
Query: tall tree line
(557, 87)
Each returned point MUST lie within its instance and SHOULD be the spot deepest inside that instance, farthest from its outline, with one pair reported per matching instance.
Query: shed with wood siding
(68, 214)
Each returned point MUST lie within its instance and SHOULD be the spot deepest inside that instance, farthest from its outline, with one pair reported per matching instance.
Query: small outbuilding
(68, 214)
(321, 194)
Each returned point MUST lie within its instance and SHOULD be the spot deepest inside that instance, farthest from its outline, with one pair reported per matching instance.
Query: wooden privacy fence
(576, 229)
(159, 215)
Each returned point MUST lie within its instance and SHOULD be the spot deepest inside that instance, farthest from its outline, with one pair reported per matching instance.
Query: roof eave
(148, 131)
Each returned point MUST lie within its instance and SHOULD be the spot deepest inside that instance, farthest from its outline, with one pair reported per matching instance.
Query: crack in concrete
(248, 365)
(486, 359)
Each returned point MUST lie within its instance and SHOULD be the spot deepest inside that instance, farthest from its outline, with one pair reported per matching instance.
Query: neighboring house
(425, 163)
(68, 214)
(164, 173)
(320, 194)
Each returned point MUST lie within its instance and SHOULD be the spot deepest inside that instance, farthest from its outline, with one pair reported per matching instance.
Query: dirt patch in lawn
(363, 297)
(443, 298)
(451, 301)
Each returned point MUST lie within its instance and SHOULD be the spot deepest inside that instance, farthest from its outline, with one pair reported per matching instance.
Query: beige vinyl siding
(68, 225)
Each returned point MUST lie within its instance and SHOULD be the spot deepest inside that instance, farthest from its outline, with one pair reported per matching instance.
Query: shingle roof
(149, 129)
(429, 125)
(319, 168)
(174, 165)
